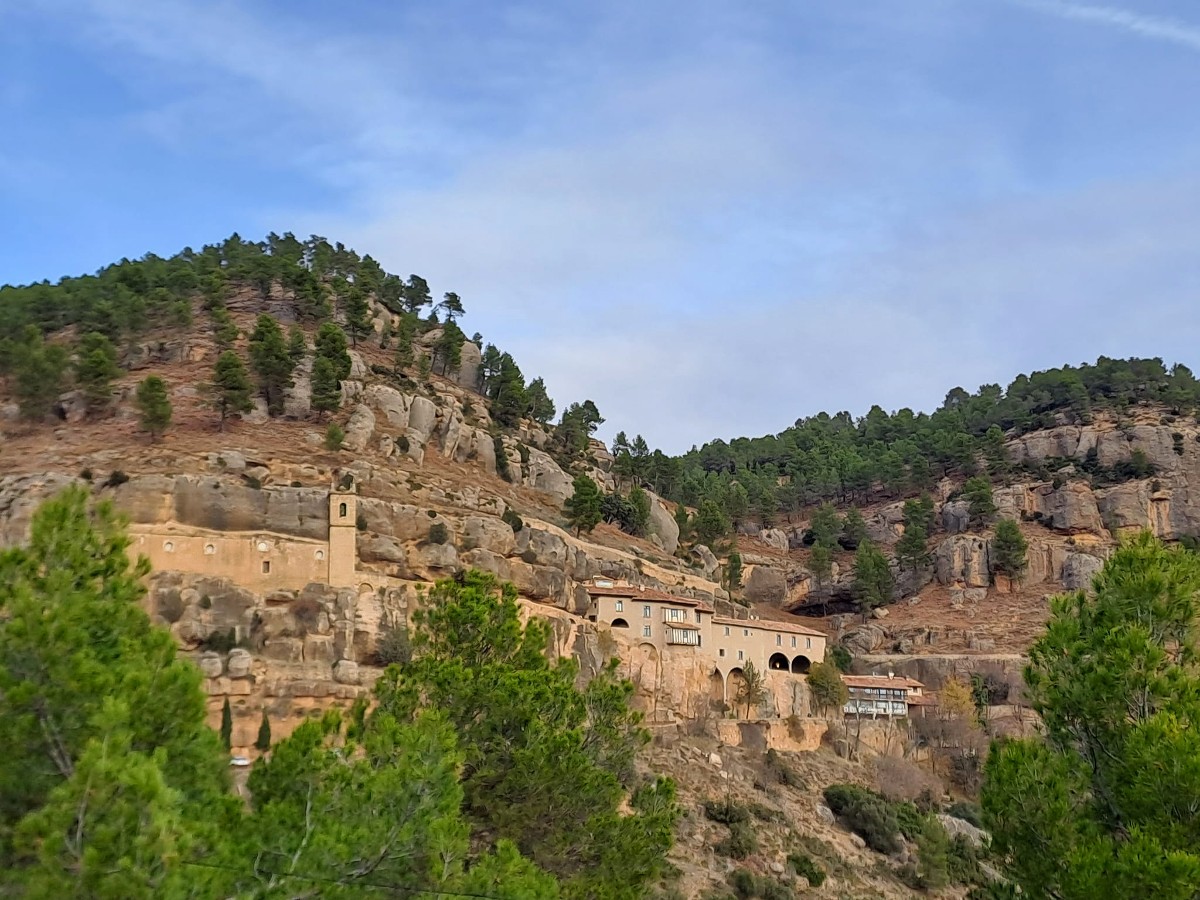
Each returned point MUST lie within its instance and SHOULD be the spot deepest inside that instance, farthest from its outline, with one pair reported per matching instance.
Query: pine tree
(263, 742)
(225, 330)
(358, 315)
(583, 507)
(326, 389)
(38, 370)
(448, 349)
(271, 361)
(1009, 549)
(751, 689)
(154, 406)
(406, 333)
(873, 582)
(231, 386)
(451, 305)
(297, 344)
(541, 407)
(1102, 801)
(977, 492)
(820, 561)
(334, 435)
(331, 344)
(911, 549)
(226, 725)
(828, 690)
(733, 571)
(710, 523)
(95, 369)
(826, 526)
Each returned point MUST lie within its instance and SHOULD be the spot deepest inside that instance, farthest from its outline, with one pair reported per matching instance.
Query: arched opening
(342, 510)
(644, 667)
(619, 623)
(733, 684)
(801, 665)
(778, 661)
(716, 686)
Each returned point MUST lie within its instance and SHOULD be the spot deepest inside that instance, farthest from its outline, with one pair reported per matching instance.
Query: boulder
(297, 399)
(709, 564)
(468, 367)
(1072, 509)
(239, 663)
(956, 827)
(211, 665)
(436, 556)
(542, 473)
(422, 419)
(360, 429)
(956, 516)
(764, 584)
(1079, 569)
(963, 559)
(864, 638)
(774, 537)
(391, 405)
(663, 525)
(345, 671)
(487, 533)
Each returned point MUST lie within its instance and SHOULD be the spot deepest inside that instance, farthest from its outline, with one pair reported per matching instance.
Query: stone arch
(778, 662)
(801, 665)
(733, 681)
(365, 589)
(645, 666)
(341, 510)
(619, 623)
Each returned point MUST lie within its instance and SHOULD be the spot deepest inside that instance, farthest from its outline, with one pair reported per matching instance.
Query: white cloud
(1156, 28)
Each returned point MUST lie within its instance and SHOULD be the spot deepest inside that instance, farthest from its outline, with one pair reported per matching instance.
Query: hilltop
(374, 448)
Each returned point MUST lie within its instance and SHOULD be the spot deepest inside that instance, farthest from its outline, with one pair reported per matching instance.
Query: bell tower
(343, 532)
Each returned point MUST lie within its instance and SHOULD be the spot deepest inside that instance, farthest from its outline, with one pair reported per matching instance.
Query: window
(263, 546)
(619, 606)
(675, 615)
(741, 655)
(726, 631)
(320, 554)
(342, 510)
(168, 546)
(721, 652)
(808, 643)
(646, 631)
(745, 632)
(646, 612)
(209, 549)
(793, 640)
(779, 640)
(266, 567)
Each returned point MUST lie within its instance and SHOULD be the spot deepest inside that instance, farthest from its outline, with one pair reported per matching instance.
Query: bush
(803, 865)
(783, 773)
(747, 885)
(765, 813)
(219, 641)
(512, 520)
(742, 841)
(253, 482)
(85, 474)
(116, 478)
(502, 467)
(393, 647)
(360, 521)
(438, 534)
(334, 436)
(402, 443)
(967, 811)
(726, 812)
(867, 814)
(840, 657)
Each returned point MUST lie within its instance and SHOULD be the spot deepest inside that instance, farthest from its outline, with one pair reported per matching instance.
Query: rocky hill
(288, 568)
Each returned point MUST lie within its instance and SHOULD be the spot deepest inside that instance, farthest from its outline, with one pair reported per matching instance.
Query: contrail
(1153, 27)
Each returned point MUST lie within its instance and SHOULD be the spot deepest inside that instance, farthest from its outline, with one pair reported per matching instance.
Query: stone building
(883, 696)
(664, 627)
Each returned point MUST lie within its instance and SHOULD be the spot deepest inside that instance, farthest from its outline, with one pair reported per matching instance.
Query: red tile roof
(768, 625)
(880, 681)
(634, 592)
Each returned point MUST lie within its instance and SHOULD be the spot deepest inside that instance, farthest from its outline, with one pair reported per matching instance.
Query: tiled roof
(880, 681)
(629, 591)
(768, 625)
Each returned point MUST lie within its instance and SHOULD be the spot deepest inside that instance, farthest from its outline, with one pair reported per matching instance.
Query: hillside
(287, 561)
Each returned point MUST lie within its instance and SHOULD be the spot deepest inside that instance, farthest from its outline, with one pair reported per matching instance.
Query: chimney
(891, 674)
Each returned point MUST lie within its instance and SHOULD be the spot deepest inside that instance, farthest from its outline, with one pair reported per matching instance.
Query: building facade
(662, 625)
(882, 696)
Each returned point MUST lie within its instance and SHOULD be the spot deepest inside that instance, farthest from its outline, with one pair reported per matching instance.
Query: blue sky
(709, 217)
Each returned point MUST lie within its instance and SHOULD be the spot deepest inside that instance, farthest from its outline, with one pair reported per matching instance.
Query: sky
(711, 218)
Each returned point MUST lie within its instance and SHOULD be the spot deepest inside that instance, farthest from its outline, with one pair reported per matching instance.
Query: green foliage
(95, 369)
(448, 349)
(271, 362)
(967, 811)
(867, 814)
(820, 561)
(297, 344)
(330, 344)
(840, 657)
(854, 529)
(154, 406)
(358, 314)
(726, 811)
(225, 330)
(503, 467)
(404, 335)
(262, 742)
(94, 703)
(733, 571)
(751, 689)
(226, 725)
(335, 435)
(631, 514)
(1008, 549)
(326, 389)
(828, 690)
(826, 526)
(538, 402)
(525, 730)
(741, 842)
(807, 868)
(231, 386)
(977, 492)
(746, 886)
(912, 548)
(584, 508)
(873, 581)
(394, 647)
(710, 523)
(38, 375)
(1104, 803)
